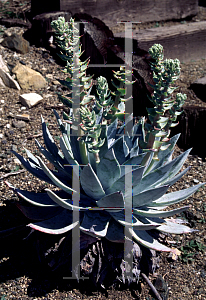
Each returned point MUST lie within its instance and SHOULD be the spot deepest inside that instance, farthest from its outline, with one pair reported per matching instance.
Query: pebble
(51, 60)
(19, 124)
(53, 88)
(14, 148)
(1, 136)
(11, 114)
(201, 291)
(16, 160)
(50, 76)
(55, 82)
(186, 289)
(195, 180)
(22, 62)
(24, 117)
(48, 96)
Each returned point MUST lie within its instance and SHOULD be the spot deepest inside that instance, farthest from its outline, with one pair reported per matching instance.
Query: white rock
(5, 78)
(3, 66)
(48, 95)
(50, 76)
(30, 99)
(17, 161)
(195, 180)
(2, 83)
(1, 135)
(8, 126)
(2, 101)
(8, 80)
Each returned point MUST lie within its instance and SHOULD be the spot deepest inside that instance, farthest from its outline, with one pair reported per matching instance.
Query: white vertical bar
(128, 61)
(128, 257)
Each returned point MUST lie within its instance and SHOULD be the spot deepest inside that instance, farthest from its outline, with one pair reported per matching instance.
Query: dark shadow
(202, 3)
(191, 124)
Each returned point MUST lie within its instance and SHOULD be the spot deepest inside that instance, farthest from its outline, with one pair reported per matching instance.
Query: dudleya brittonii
(105, 155)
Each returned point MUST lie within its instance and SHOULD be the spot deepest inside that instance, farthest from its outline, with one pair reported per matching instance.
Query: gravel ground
(21, 277)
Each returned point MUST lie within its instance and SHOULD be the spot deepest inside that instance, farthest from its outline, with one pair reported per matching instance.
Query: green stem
(117, 98)
(83, 151)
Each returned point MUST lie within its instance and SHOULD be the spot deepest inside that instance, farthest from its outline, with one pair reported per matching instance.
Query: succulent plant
(111, 170)
(103, 194)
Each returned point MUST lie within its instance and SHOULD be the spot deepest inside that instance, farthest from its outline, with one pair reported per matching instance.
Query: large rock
(99, 43)
(16, 42)
(28, 78)
(183, 41)
(5, 77)
(8, 80)
(199, 87)
(3, 66)
(41, 33)
(191, 126)
(113, 11)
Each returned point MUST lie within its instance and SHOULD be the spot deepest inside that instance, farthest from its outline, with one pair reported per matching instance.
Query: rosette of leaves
(104, 195)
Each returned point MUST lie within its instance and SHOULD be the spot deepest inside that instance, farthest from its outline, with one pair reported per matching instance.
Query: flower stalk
(166, 108)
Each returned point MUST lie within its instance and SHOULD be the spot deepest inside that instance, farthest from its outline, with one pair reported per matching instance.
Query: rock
(16, 160)
(41, 33)
(8, 80)
(191, 124)
(172, 256)
(162, 287)
(55, 82)
(2, 83)
(99, 43)
(3, 66)
(5, 77)
(23, 117)
(49, 76)
(30, 99)
(195, 180)
(15, 23)
(16, 42)
(186, 289)
(199, 87)
(14, 148)
(19, 124)
(28, 78)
